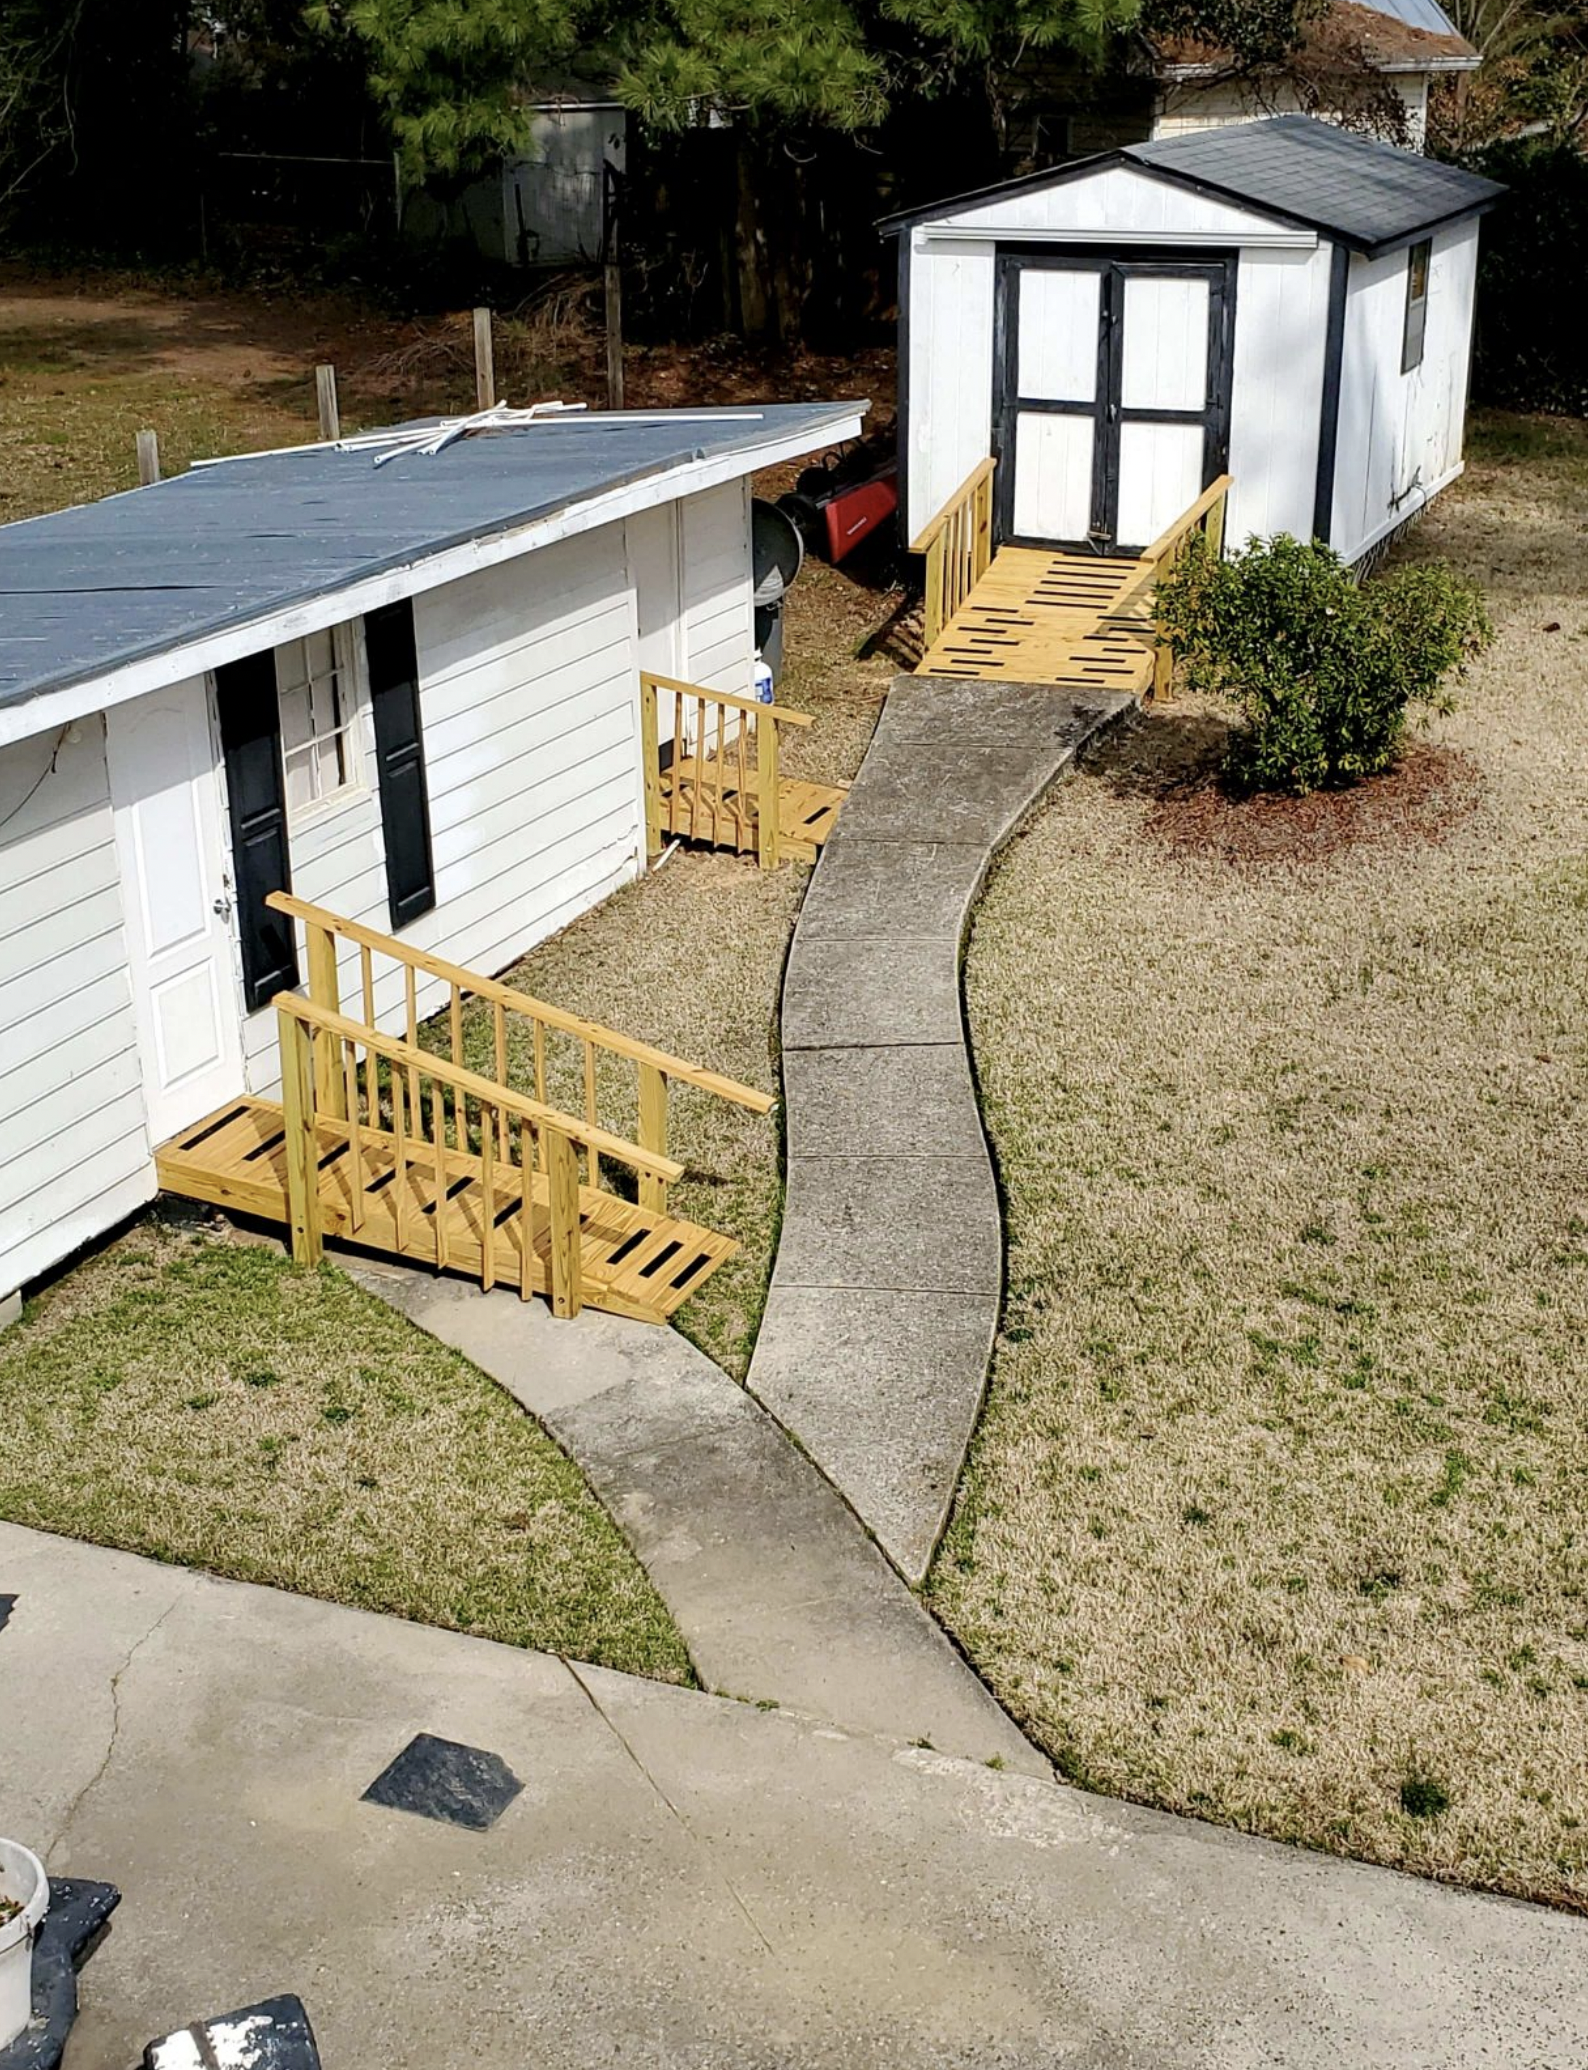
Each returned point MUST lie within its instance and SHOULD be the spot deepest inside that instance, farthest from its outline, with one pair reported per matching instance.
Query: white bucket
(23, 1880)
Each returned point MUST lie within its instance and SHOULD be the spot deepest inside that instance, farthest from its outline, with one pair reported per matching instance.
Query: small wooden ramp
(1074, 620)
(632, 1261)
(1026, 614)
(705, 801)
(394, 1142)
(718, 777)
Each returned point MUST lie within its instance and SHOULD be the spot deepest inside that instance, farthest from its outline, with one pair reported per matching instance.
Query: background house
(1284, 300)
(408, 692)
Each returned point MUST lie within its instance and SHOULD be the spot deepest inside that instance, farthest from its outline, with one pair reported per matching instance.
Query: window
(1416, 304)
(314, 680)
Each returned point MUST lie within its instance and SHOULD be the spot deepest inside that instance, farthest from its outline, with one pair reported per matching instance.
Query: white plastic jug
(23, 1881)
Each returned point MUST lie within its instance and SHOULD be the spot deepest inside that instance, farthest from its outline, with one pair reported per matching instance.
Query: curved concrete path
(780, 1595)
(879, 1326)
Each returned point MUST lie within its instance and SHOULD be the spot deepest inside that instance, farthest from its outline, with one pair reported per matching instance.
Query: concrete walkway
(680, 1881)
(780, 1595)
(874, 1346)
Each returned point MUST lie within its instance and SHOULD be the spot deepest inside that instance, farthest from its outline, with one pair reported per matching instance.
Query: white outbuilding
(398, 678)
(1280, 300)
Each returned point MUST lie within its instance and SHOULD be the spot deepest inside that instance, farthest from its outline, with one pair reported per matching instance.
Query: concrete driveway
(681, 1880)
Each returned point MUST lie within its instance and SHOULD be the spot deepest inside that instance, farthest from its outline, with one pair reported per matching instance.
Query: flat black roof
(1352, 189)
(90, 589)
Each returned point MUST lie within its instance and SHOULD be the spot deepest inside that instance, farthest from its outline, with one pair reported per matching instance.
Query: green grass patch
(208, 1403)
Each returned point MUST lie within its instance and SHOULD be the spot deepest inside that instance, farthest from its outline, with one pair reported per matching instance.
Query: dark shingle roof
(90, 589)
(1355, 190)
(1365, 194)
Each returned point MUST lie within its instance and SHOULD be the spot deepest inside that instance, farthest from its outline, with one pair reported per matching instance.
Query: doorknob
(223, 906)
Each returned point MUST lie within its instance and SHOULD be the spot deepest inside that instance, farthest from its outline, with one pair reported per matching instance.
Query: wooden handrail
(1167, 541)
(493, 990)
(779, 714)
(428, 1064)
(957, 544)
(981, 472)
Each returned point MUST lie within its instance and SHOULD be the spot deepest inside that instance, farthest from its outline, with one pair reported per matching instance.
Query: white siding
(719, 621)
(1400, 434)
(1115, 204)
(1216, 103)
(1276, 397)
(528, 691)
(74, 1151)
(951, 371)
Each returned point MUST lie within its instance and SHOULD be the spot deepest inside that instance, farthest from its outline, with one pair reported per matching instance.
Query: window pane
(300, 780)
(297, 719)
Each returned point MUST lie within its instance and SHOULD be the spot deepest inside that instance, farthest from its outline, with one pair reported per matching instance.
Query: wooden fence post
(325, 989)
(768, 802)
(484, 362)
(302, 1144)
(612, 282)
(325, 398)
(148, 459)
(560, 1163)
(651, 768)
(653, 1133)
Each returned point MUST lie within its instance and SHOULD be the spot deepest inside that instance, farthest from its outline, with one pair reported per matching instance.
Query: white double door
(1113, 403)
(176, 900)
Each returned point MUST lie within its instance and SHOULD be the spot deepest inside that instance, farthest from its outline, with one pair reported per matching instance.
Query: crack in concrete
(726, 1881)
(98, 1775)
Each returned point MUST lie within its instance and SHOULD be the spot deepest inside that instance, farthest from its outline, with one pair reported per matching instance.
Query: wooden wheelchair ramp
(395, 1143)
(632, 1261)
(1024, 614)
(718, 778)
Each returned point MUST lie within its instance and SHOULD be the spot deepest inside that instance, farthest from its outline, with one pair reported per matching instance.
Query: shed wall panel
(1281, 318)
(718, 643)
(1115, 201)
(74, 1149)
(951, 371)
(1400, 434)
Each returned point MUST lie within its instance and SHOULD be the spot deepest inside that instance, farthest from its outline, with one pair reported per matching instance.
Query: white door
(166, 796)
(1164, 384)
(1113, 396)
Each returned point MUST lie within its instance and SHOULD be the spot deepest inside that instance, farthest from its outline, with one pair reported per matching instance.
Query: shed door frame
(1106, 409)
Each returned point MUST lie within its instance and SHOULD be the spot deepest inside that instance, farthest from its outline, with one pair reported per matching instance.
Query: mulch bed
(1420, 802)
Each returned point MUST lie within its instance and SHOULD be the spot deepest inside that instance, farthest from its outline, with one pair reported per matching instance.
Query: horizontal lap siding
(529, 715)
(74, 1150)
(1281, 322)
(719, 624)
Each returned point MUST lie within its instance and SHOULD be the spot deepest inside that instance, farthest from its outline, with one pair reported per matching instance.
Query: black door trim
(1114, 267)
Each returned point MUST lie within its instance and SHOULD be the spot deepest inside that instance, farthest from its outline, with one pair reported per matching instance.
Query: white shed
(408, 692)
(1282, 300)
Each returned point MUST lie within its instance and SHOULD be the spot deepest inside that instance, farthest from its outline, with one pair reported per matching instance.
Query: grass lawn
(691, 959)
(205, 1402)
(1276, 1513)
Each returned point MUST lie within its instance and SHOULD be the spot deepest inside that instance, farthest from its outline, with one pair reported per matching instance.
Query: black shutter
(400, 756)
(250, 715)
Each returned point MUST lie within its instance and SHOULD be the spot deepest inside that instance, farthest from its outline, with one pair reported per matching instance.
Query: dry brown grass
(691, 958)
(1276, 1511)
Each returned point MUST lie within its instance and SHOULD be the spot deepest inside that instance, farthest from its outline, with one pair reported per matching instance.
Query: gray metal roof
(1417, 14)
(1298, 168)
(1358, 191)
(90, 589)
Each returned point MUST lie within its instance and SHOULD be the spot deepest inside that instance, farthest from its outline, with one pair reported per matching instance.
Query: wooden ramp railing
(724, 784)
(1042, 615)
(561, 1047)
(957, 544)
(380, 1138)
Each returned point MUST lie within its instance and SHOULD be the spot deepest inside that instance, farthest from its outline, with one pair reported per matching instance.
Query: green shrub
(1322, 669)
